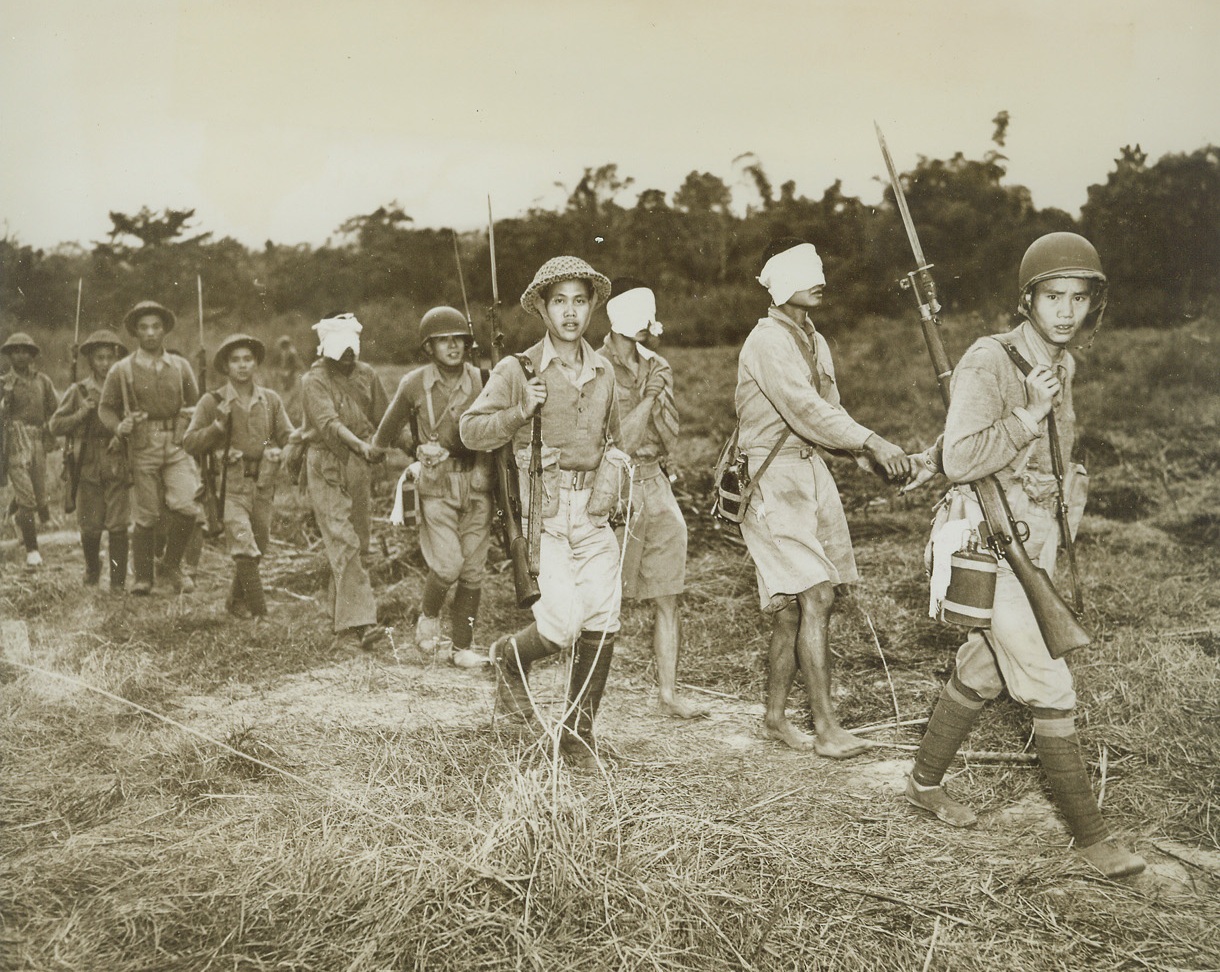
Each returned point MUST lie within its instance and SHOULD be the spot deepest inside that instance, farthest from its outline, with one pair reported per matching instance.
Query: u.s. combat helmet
(442, 322)
(1062, 255)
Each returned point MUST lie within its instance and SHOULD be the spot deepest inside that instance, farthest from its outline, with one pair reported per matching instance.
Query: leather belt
(161, 425)
(576, 478)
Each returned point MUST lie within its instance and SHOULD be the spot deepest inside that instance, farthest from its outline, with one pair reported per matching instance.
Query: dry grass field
(180, 790)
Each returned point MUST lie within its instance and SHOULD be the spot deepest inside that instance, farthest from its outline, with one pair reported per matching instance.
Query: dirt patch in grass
(371, 812)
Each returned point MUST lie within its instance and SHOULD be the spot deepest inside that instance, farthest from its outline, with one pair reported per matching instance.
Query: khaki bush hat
(99, 339)
(149, 307)
(220, 361)
(19, 339)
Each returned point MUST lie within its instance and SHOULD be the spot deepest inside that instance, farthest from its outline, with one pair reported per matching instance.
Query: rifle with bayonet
(522, 552)
(1060, 629)
(71, 463)
(213, 504)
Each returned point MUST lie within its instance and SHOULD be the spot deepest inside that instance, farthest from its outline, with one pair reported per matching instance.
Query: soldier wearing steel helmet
(452, 481)
(998, 425)
(245, 427)
(102, 498)
(573, 388)
(27, 401)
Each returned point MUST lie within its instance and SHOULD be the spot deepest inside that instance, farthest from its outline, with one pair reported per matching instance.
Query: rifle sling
(752, 485)
(534, 540)
(1057, 469)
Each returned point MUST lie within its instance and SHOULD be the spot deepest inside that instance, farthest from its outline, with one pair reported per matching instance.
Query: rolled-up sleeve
(396, 419)
(204, 432)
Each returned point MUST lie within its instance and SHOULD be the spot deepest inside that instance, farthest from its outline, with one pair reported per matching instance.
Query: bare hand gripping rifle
(1060, 629)
(507, 498)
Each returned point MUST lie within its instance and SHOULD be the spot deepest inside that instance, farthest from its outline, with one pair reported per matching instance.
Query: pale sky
(279, 119)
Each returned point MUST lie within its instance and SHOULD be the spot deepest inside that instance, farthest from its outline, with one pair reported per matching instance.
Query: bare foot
(838, 743)
(789, 735)
(678, 706)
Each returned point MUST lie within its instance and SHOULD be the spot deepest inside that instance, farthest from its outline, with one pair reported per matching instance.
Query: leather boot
(512, 656)
(590, 669)
(235, 603)
(91, 543)
(143, 552)
(251, 585)
(178, 535)
(117, 555)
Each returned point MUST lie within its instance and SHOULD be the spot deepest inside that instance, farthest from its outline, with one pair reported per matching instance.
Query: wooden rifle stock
(71, 459)
(1060, 629)
(506, 495)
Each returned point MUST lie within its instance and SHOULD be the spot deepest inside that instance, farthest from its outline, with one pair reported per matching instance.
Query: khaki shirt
(777, 391)
(988, 430)
(256, 425)
(649, 433)
(578, 415)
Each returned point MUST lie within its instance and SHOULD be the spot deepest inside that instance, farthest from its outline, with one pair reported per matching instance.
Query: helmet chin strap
(1024, 309)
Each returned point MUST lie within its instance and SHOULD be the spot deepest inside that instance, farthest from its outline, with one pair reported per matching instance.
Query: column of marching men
(141, 433)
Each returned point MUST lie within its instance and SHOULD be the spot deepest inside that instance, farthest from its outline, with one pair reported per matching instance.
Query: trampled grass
(410, 829)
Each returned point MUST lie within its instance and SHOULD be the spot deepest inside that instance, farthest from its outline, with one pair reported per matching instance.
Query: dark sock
(29, 532)
(462, 614)
(177, 536)
(91, 543)
(143, 550)
(117, 554)
(251, 585)
(1059, 753)
(951, 722)
(434, 595)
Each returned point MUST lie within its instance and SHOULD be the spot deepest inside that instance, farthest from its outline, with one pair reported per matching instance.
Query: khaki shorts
(654, 539)
(796, 530)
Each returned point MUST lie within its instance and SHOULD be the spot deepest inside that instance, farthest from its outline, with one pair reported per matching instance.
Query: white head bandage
(337, 334)
(796, 269)
(633, 311)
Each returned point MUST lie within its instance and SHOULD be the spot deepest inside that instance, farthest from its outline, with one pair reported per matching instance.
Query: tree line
(1157, 227)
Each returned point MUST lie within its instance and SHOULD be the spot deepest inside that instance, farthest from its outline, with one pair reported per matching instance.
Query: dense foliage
(1156, 226)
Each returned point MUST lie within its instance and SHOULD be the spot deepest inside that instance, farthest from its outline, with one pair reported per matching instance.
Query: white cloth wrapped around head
(798, 268)
(337, 334)
(633, 311)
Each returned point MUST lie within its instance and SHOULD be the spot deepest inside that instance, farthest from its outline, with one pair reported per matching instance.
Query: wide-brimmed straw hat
(558, 269)
(220, 361)
(100, 339)
(19, 339)
(149, 307)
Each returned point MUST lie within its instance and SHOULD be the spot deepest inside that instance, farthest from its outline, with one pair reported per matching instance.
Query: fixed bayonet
(1060, 630)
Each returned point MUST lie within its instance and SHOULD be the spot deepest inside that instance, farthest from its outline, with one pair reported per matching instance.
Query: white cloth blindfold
(634, 311)
(796, 269)
(337, 334)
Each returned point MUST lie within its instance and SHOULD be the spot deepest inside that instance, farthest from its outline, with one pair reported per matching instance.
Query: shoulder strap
(752, 485)
(1018, 358)
(527, 366)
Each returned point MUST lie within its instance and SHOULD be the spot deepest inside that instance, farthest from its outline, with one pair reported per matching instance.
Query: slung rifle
(507, 496)
(1060, 629)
